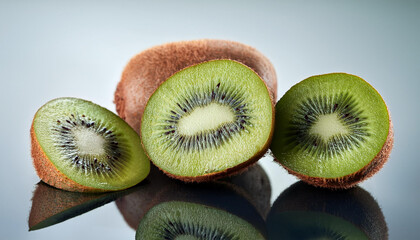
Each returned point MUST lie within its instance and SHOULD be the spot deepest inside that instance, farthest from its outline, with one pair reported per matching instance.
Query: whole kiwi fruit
(148, 69)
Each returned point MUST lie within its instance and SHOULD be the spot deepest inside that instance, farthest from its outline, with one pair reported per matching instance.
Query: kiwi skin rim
(230, 171)
(49, 173)
(355, 178)
(148, 69)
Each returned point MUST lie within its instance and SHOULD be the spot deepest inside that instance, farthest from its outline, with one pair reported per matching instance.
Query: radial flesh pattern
(207, 119)
(330, 126)
(77, 141)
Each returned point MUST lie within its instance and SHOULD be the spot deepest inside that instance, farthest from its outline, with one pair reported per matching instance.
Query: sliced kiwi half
(147, 70)
(51, 206)
(306, 212)
(207, 121)
(332, 130)
(190, 221)
(80, 146)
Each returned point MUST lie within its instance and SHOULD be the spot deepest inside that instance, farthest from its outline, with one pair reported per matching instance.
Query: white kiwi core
(205, 118)
(327, 126)
(88, 142)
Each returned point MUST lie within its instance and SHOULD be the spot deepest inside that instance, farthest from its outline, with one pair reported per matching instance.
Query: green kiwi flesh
(208, 120)
(185, 220)
(87, 145)
(332, 130)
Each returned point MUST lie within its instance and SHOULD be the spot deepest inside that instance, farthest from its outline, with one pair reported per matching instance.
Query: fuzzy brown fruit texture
(147, 70)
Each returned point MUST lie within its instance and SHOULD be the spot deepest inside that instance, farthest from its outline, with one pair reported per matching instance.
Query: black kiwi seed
(114, 155)
(213, 138)
(309, 110)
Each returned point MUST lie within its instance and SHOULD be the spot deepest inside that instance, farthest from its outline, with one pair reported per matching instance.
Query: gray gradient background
(50, 49)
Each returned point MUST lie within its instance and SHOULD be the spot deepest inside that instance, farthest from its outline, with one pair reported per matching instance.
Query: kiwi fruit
(252, 186)
(148, 69)
(208, 121)
(332, 130)
(52, 205)
(303, 211)
(80, 146)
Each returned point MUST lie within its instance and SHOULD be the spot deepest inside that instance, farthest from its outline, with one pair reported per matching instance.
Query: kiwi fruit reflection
(188, 220)
(306, 212)
(51, 205)
(245, 197)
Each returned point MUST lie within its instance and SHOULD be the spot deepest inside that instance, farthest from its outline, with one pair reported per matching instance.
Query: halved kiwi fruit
(51, 205)
(306, 212)
(80, 146)
(208, 121)
(148, 69)
(332, 130)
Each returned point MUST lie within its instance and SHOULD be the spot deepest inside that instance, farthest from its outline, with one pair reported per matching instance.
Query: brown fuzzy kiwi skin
(148, 69)
(355, 178)
(230, 171)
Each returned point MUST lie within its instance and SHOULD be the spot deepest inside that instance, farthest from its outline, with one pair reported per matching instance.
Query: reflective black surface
(244, 198)
(232, 208)
(306, 212)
